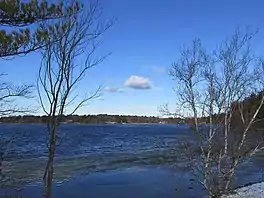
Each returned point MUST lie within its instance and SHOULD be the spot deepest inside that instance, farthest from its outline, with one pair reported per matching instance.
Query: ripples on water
(93, 139)
(83, 149)
(89, 148)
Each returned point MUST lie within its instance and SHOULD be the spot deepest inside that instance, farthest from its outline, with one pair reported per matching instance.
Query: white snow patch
(251, 191)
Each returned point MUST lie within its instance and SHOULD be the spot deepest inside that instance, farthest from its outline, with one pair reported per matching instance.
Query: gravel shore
(251, 191)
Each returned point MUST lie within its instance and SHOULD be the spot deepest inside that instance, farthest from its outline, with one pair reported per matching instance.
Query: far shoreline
(64, 123)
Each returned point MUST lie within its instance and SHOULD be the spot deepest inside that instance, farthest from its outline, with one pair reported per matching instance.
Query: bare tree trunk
(49, 179)
(1, 161)
(48, 175)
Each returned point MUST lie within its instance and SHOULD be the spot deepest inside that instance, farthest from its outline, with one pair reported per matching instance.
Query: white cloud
(138, 82)
(113, 89)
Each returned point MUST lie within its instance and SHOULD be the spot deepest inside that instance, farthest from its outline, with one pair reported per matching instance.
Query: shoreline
(79, 123)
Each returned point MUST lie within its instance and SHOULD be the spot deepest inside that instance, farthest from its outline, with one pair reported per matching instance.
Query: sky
(143, 43)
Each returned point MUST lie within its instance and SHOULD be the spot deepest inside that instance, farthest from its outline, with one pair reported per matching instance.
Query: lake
(108, 161)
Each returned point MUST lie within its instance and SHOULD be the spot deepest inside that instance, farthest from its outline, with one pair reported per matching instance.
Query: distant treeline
(93, 119)
(249, 105)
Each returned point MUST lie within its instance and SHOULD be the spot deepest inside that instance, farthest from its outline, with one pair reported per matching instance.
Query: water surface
(108, 161)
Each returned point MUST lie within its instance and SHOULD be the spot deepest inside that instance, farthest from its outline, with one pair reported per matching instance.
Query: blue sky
(144, 42)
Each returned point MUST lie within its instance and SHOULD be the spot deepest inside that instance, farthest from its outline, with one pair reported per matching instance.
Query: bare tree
(213, 87)
(18, 38)
(64, 64)
(9, 94)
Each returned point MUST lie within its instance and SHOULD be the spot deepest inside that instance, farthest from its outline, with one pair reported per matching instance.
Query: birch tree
(213, 87)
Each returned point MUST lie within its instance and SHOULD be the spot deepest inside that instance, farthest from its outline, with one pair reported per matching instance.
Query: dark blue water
(110, 161)
(30, 140)
(126, 183)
